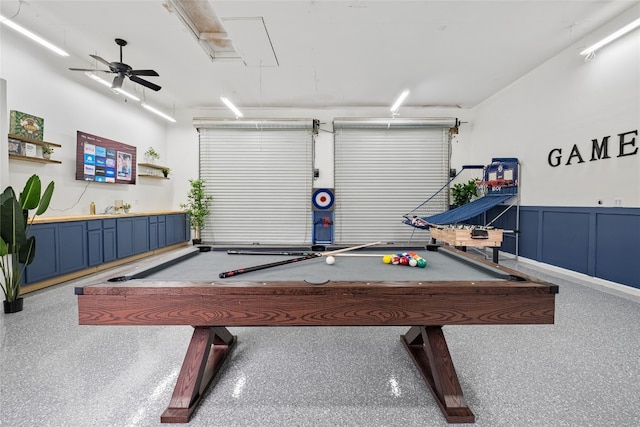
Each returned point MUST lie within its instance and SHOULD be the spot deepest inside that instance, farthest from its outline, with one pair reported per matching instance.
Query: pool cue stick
(240, 252)
(289, 261)
(263, 266)
(360, 255)
(352, 248)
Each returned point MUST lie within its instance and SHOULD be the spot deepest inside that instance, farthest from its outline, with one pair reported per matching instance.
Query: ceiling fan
(123, 70)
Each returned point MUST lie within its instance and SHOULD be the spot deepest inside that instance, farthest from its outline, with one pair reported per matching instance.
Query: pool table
(357, 290)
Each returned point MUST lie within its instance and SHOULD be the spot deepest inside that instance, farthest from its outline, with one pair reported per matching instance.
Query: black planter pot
(196, 241)
(13, 306)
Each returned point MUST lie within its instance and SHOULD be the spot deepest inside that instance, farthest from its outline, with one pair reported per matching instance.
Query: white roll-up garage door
(260, 174)
(384, 168)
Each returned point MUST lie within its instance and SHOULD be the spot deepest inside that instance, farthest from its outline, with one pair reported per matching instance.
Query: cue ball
(330, 260)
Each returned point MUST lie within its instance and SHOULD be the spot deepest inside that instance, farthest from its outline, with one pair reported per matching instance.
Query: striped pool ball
(395, 260)
(413, 262)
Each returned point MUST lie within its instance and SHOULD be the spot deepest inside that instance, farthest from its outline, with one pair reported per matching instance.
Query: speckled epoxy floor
(582, 371)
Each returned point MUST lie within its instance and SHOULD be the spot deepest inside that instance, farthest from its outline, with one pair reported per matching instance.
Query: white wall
(46, 89)
(567, 102)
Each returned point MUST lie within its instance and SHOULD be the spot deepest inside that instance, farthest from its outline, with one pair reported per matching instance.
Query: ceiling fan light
(9, 23)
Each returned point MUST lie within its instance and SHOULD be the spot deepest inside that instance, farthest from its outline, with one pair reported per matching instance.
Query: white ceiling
(331, 54)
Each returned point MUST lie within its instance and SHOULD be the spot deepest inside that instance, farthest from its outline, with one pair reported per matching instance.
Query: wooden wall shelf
(152, 166)
(34, 141)
(36, 159)
(33, 159)
(145, 175)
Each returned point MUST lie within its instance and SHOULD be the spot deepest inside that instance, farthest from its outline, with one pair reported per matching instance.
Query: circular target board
(322, 199)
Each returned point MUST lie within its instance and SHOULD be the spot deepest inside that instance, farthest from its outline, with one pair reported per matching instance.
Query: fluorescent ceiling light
(32, 36)
(103, 82)
(98, 79)
(396, 105)
(231, 106)
(622, 31)
(158, 112)
(127, 94)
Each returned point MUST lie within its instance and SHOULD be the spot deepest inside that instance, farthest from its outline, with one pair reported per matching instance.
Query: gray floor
(582, 371)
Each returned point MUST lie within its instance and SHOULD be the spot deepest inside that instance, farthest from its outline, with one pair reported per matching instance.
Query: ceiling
(327, 54)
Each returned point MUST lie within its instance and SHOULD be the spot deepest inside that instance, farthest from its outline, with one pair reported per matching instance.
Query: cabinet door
(162, 231)
(45, 261)
(109, 244)
(124, 233)
(94, 242)
(141, 236)
(72, 238)
(153, 232)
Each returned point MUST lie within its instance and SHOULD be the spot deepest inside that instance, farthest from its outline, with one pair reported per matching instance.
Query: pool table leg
(198, 370)
(428, 349)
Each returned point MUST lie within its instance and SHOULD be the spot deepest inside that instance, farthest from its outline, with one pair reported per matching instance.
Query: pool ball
(413, 262)
(330, 260)
(395, 260)
(422, 263)
(404, 260)
(386, 259)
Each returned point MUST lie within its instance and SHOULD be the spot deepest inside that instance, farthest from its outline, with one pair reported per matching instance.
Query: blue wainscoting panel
(529, 231)
(617, 254)
(565, 240)
(597, 241)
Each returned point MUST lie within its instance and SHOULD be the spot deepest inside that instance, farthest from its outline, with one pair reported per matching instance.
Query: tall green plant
(197, 206)
(16, 249)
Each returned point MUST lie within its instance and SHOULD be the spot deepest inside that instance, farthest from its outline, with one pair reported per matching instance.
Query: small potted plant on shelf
(46, 152)
(166, 172)
(151, 155)
(197, 208)
(126, 207)
(16, 249)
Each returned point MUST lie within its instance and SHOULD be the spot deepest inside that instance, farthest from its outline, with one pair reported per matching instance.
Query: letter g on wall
(555, 157)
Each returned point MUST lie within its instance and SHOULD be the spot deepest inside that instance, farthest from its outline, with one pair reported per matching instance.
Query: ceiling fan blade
(90, 69)
(104, 61)
(117, 81)
(143, 73)
(145, 83)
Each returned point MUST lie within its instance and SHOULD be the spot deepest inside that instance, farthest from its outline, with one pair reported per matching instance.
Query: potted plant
(166, 172)
(126, 207)
(151, 155)
(46, 152)
(16, 249)
(463, 193)
(197, 207)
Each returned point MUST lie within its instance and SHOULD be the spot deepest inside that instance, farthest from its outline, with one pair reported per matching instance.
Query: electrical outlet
(617, 201)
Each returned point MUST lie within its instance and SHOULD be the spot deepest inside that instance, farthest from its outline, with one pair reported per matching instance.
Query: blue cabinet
(124, 237)
(70, 246)
(95, 242)
(140, 234)
(109, 240)
(45, 263)
(153, 232)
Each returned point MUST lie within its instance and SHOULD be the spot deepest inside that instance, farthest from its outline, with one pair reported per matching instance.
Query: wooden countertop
(67, 218)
